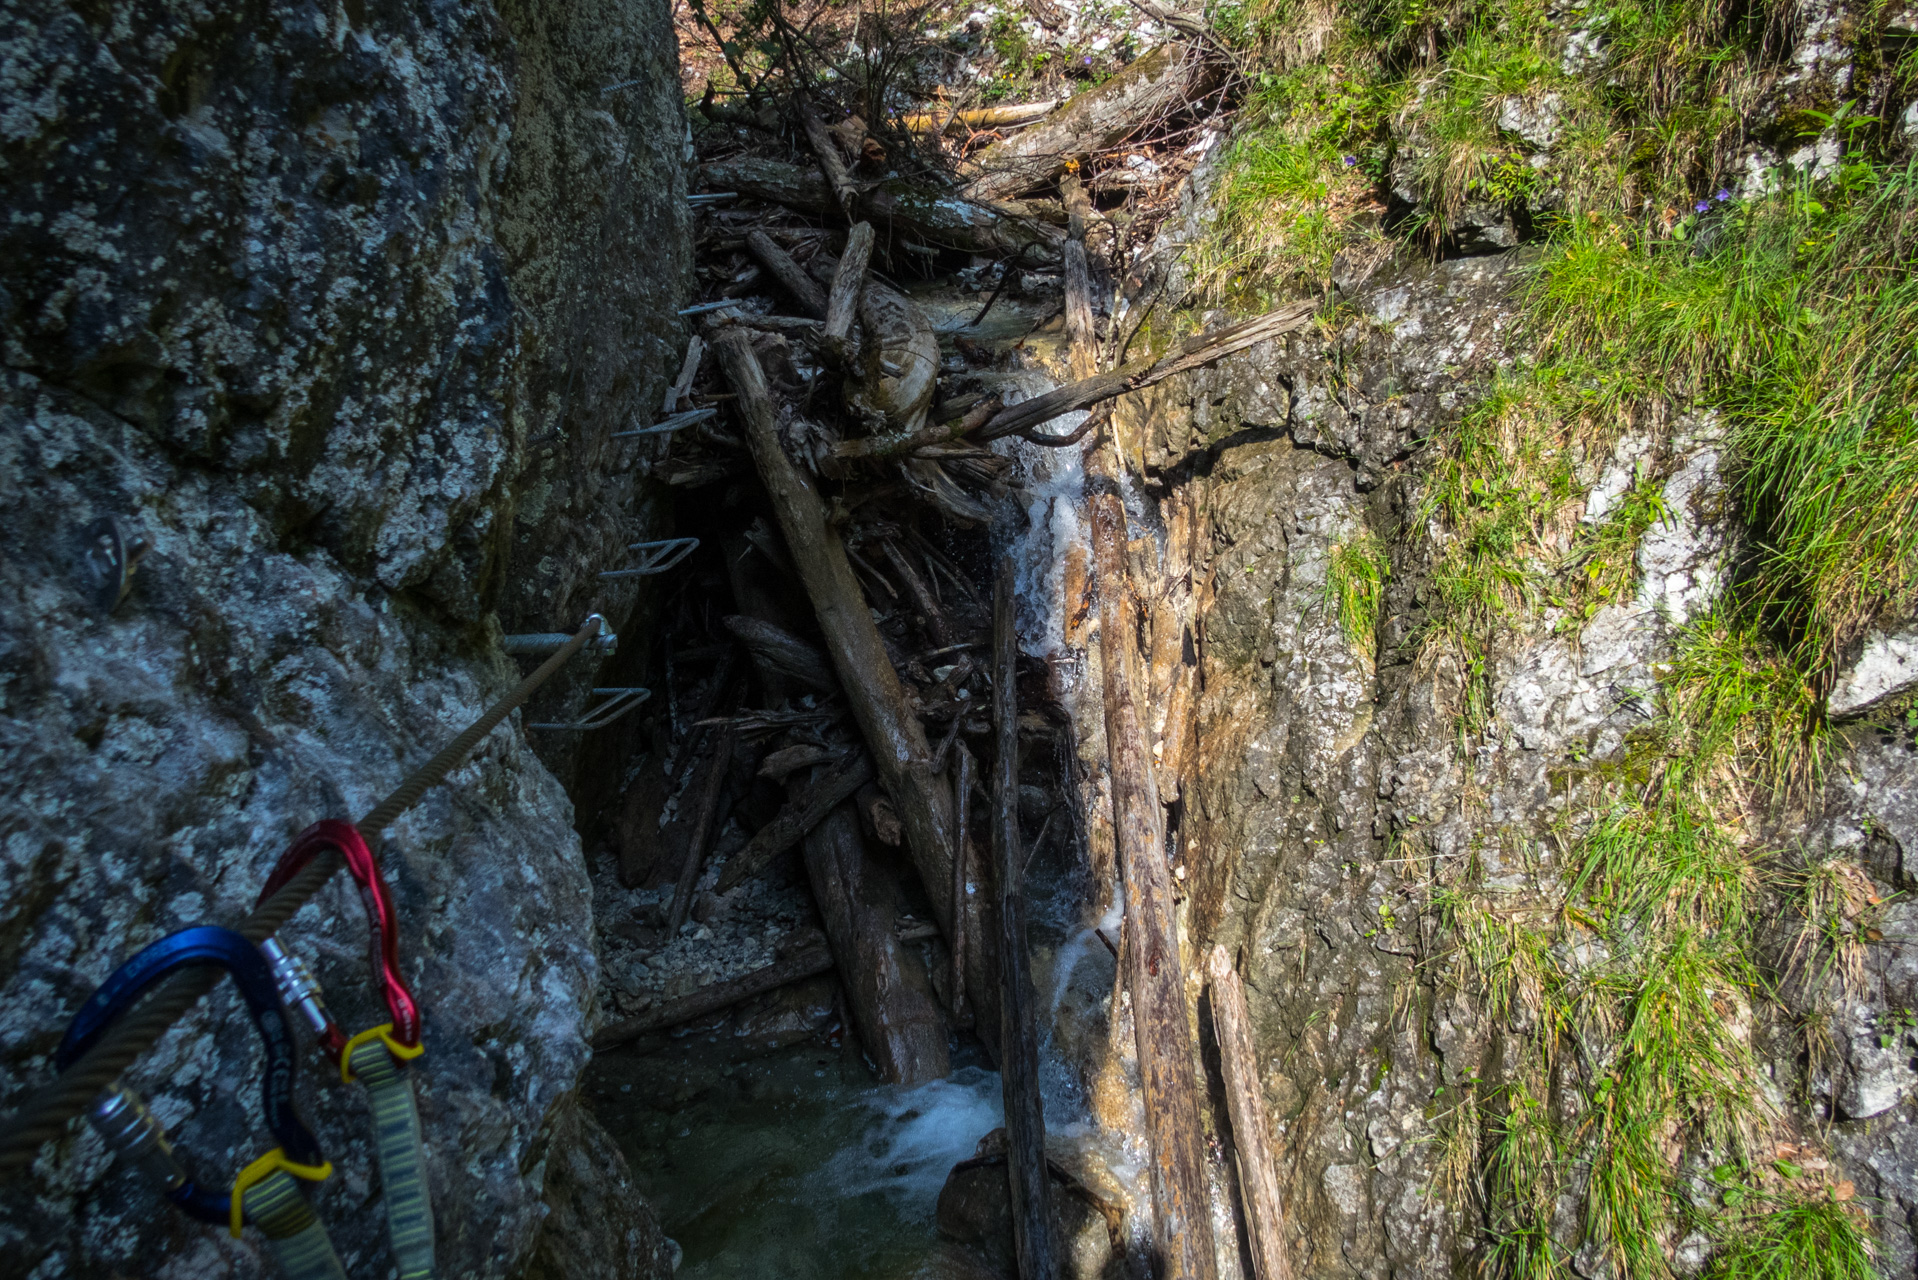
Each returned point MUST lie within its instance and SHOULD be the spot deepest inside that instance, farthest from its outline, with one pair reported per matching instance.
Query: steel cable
(46, 1112)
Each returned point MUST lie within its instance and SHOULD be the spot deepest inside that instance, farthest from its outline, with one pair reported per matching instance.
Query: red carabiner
(344, 838)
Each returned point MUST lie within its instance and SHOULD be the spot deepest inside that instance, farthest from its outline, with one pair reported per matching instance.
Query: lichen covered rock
(295, 294)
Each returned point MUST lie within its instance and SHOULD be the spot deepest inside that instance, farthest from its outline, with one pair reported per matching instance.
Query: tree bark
(859, 902)
(1019, 1034)
(697, 1004)
(1245, 1102)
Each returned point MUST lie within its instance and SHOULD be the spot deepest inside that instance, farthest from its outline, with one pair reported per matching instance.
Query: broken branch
(720, 995)
(1145, 372)
(799, 815)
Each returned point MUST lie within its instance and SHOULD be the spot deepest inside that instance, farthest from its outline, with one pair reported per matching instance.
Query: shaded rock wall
(336, 305)
(1329, 786)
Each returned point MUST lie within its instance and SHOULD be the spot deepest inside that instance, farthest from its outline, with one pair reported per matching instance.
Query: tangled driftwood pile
(891, 670)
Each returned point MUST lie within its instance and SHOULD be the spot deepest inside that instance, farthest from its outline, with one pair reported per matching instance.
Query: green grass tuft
(1355, 575)
(1817, 1239)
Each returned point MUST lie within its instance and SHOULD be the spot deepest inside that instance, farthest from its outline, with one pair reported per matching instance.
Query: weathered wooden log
(789, 273)
(1182, 1226)
(720, 995)
(800, 814)
(1182, 1220)
(1081, 337)
(1160, 83)
(859, 902)
(781, 651)
(831, 164)
(705, 801)
(1199, 350)
(1019, 1033)
(1251, 1135)
(1004, 116)
(921, 595)
(848, 283)
(688, 370)
(905, 209)
(899, 362)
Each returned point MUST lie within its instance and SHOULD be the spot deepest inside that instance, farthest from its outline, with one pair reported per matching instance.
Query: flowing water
(792, 1163)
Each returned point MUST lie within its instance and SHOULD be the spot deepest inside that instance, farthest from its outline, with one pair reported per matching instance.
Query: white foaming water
(912, 1139)
(1079, 946)
(1054, 489)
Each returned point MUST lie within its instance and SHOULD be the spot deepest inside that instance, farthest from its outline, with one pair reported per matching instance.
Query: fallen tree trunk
(848, 283)
(903, 208)
(1160, 83)
(1245, 1103)
(859, 903)
(894, 737)
(705, 820)
(788, 273)
(831, 164)
(800, 815)
(1199, 350)
(1182, 1220)
(720, 995)
(1019, 1033)
(1001, 117)
(779, 651)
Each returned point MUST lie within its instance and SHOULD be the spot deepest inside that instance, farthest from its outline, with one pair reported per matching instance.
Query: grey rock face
(1886, 667)
(289, 291)
(1533, 121)
(1316, 760)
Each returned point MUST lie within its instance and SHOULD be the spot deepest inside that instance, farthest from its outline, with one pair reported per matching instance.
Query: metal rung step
(673, 423)
(654, 557)
(618, 702)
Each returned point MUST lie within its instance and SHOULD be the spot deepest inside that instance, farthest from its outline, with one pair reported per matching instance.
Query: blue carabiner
(208, 944)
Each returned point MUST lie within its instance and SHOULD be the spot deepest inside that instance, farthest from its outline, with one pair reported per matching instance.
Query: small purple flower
(1348, 161)
(1088, 62)
(1723, 195)
(1701, 206)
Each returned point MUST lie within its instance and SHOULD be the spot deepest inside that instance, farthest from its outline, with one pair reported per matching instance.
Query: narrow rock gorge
(1477, 435)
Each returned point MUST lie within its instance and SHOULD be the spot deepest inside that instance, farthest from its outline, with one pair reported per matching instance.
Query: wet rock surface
(297, 297)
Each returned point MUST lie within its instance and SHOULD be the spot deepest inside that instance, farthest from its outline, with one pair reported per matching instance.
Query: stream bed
(790, 1161)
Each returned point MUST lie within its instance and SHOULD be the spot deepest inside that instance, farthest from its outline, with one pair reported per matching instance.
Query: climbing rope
(45, 1114)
